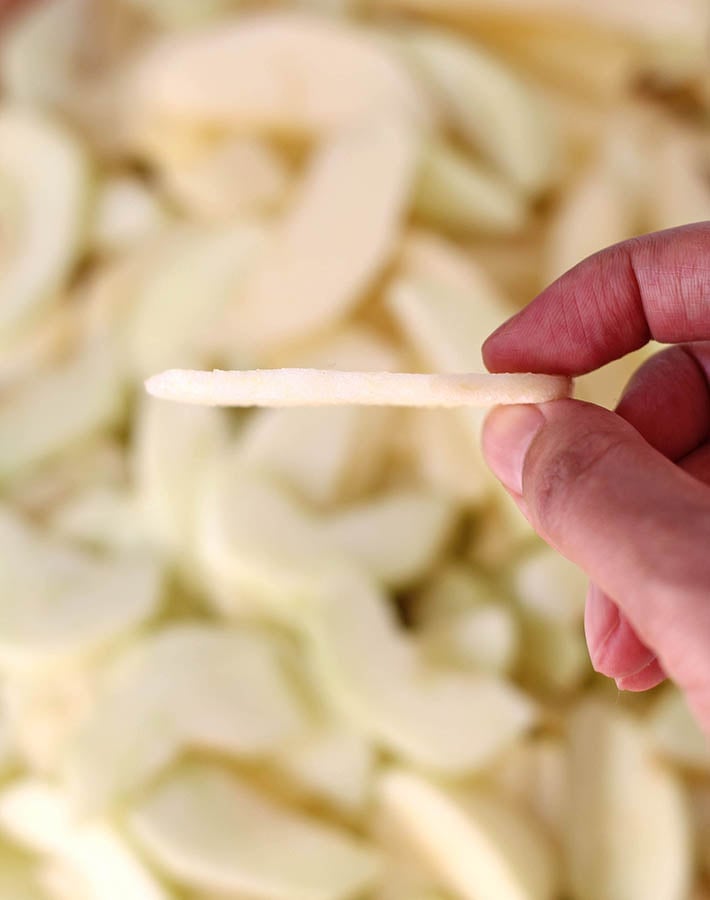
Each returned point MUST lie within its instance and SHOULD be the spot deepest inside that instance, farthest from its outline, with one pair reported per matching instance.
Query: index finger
(652, 287)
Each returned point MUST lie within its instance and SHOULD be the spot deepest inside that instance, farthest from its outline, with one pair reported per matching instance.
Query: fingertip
(649, 677)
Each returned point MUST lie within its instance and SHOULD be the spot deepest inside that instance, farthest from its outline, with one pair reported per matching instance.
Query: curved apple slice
(47, 176)
(220, 689)
(59, 601)
(210, 830)
(39, 816)
(333, 241)
(488, 105)
(447, 721)
(284, 73)
(481, 848)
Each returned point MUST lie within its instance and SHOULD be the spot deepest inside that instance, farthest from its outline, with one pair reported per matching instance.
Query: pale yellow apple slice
(285, 72)
(188, 686)
(184, 290)
(442, 719)
(240, 176)
(39, 816)
(47, 173)
(325, 455)
(211, 830)
(489, 106)
(59, 601)
(481, 848)
(627, 831)
(454, 193)
(334, 239)
(334, 764)
(58, 408)
(325, 387)
(173, 447)
(396, 536)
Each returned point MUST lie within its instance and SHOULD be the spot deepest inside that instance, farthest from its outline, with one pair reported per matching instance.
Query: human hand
(624, 494)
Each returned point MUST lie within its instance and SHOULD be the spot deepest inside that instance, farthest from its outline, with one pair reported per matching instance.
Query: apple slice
(454, 193)
(58, 408)
(445, 720)
(284, 72)
(333, 241)
(491, 109)
(627, 831)
(39, 816)
(233, 697)
(59, 601)
(481, 848)
(43, 223)
(208, 829)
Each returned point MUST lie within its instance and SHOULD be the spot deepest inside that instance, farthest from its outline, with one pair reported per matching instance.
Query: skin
(624, 494)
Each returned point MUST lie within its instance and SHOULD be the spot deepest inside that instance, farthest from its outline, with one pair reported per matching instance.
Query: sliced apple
(454, 193)
(491, 109)
(333, 241)
(627, 832)
(56, 409)
(59, 601)
(481, 848)
(284, 72)
(210, 830)
(38, 815)
(43, 226)
(188, 686)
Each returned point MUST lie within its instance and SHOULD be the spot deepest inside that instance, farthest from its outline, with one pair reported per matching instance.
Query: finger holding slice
(327, 387)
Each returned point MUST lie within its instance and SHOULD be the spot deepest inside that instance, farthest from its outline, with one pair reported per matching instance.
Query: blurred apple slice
(188, 686)
(59, 601)
(42, 216)
(208, 829)
(38, 816)
(487, 105)
(627, 831)
(287, 73)
(481, 848)
(333, 241)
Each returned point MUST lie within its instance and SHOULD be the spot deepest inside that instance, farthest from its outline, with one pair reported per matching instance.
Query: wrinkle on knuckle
(562, 475)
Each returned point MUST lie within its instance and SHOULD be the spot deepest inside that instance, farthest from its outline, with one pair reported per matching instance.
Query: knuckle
(564, 472)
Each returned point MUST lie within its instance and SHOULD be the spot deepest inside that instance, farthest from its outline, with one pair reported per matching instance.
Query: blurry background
(315, 654)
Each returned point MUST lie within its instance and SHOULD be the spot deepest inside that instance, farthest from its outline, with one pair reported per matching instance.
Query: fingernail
(507, 435)
(601, 619)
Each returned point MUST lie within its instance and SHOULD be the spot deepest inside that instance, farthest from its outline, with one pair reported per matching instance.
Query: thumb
(636, 523)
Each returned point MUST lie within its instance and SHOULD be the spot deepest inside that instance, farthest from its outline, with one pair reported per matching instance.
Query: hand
(625, 494)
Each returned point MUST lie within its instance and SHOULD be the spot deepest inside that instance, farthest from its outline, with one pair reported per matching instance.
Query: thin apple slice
(58, 408)
(240, 176)
(396, 537)
(454, 193)
(442, 719)
(48, 180)
(481, 848)
(488, 105)
(284, 72)
(324, 455)
(59, 601)
(327, 387)
(188, 686)
(333, 241)
(334, 764)
(173, 447)
(627, 833)
(210, 830)
(38, 815)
